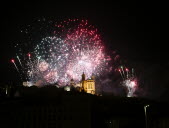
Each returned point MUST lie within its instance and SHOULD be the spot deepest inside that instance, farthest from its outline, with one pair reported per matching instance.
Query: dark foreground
(54, 108)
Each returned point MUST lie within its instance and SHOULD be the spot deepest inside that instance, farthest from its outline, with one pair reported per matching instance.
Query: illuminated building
(27, 84)
(88, 85)
(67, 88)
(84, 85)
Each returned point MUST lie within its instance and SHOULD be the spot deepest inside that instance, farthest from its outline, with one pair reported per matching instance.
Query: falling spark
(127, 72)
(19, 60)
(13, 61)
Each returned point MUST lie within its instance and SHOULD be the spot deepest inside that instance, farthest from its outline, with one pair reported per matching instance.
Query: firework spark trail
(19, 61)
(13, 61)
(123, 71)
(127, 73)
(121, 74)
(31, 67)
(132, 72)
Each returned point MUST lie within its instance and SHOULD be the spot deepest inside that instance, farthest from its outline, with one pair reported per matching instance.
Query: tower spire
(83, 76)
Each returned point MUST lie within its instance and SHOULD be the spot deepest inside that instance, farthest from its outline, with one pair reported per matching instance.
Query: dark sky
(138, 31)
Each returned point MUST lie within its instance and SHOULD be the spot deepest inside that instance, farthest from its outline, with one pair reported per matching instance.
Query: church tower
(83, 77)
(83, 81)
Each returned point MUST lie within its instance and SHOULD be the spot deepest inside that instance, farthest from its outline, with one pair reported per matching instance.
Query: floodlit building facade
(87, 86)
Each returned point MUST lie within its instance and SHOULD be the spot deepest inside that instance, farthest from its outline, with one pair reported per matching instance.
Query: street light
(145, 110)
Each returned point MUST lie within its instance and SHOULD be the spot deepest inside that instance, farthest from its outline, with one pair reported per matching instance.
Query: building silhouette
(52, 107)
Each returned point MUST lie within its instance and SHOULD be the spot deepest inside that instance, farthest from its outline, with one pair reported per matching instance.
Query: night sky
(137, 31)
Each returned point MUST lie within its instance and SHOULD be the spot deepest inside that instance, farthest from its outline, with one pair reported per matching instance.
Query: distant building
(67, 88)
(27, 84)
(88, 85)
(84, 85)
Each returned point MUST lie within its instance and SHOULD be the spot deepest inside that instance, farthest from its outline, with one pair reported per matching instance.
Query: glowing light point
(29, 54)
(132, 83)
(12, 60)
(127, 69)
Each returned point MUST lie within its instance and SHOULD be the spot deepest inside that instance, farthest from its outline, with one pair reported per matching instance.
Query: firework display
(63, 51)
(129, 80)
